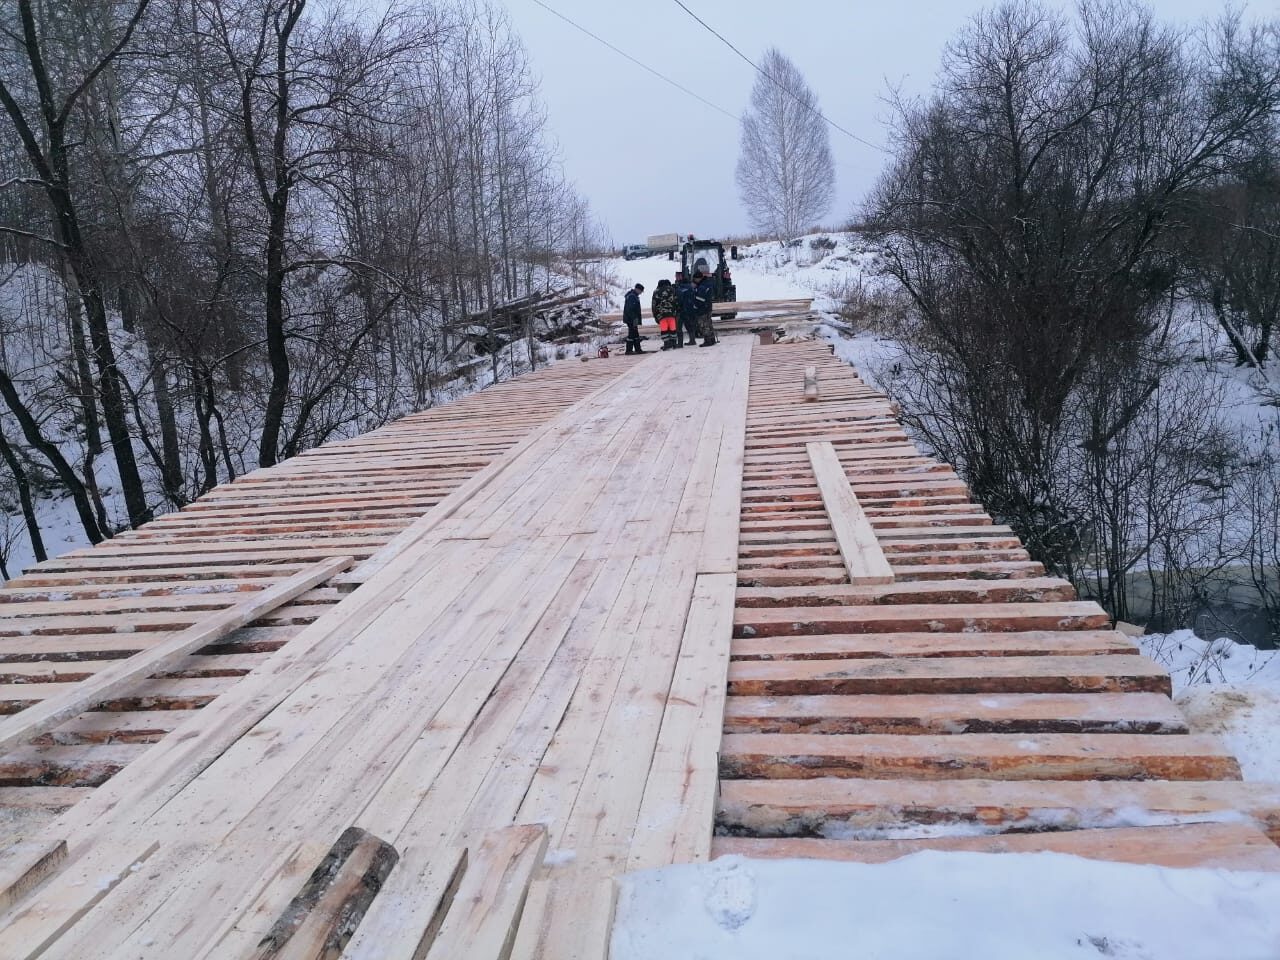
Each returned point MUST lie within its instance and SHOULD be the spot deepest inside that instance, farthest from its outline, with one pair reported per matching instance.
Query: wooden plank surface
(113, 678)
(513, 661)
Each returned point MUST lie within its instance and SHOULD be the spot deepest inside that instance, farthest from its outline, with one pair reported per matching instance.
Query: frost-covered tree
(785, 175)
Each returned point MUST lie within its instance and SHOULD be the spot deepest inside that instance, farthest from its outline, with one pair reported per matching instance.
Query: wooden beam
(859, 546)
(42, 859)
(405, 918)
(486, 914)
(106, 683)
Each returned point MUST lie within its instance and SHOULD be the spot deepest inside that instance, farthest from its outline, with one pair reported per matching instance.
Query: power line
(771, 79)
(645, 66)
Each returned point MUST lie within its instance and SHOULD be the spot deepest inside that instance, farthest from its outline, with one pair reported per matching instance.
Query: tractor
(708, 256)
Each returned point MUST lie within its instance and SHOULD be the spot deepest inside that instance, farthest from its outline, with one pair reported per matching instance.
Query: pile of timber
(551, 316)
(901, 668)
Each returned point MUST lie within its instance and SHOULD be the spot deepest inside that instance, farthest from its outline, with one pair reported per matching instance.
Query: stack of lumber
(493, 327)
(520, 699)
(902, 668)
(71, 619)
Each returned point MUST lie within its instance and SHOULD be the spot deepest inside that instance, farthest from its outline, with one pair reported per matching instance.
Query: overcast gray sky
(653, 160)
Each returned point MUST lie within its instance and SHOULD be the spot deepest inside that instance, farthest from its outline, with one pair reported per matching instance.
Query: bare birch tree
(786, 178)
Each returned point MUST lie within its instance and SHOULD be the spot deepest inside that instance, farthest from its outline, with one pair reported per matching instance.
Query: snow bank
(1193, 662)
(1226, 689)
(945, 906)
(1245, 717)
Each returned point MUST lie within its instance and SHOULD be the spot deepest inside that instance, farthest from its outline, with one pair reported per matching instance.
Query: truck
(664, 243)
(708, 257)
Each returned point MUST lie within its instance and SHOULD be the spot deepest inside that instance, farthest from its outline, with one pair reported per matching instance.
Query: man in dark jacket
(631, 316)
(688, 311)
(704, 295)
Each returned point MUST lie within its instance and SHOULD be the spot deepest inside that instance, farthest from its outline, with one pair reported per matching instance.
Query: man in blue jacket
(631, 316)
(704, 295)
(688, 311)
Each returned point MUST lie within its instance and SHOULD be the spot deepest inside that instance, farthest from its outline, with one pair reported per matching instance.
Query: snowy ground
(1228, 690)
(945, 906)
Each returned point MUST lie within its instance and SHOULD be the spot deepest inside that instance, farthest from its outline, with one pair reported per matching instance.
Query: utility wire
(645, 66)
(771, 79)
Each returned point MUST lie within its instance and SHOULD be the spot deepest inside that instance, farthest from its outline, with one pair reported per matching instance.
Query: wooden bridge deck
(599, 614)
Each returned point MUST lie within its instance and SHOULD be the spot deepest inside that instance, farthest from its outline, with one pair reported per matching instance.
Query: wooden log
(1213, 846)
(991, 756)
(912, 617)
(957, 713)
(1048, 674)
(854, 646)
(779, 808)
(113, 679)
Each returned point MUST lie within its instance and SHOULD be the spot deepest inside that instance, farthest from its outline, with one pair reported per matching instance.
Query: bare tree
(236, 228)
(1031, 215)
(42, 127)
(786, 178)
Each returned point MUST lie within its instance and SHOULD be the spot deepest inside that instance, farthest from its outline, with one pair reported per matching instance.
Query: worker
(665, 308)
(688, 310)
(704, 295)
(631, 316)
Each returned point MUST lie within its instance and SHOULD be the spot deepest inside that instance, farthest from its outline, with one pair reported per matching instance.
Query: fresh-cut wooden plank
(486, 913)
(859, 546)
(44, 914)
(678, 809)
(405, 918)
(110, 681)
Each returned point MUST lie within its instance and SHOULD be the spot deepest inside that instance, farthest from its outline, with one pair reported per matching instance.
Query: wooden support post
(84, 696)
(859, 546)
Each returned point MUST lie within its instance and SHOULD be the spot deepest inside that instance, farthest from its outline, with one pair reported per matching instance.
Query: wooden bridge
(425, 693)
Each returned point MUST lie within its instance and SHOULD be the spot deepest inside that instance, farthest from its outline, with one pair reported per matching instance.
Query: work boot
(709, 342)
